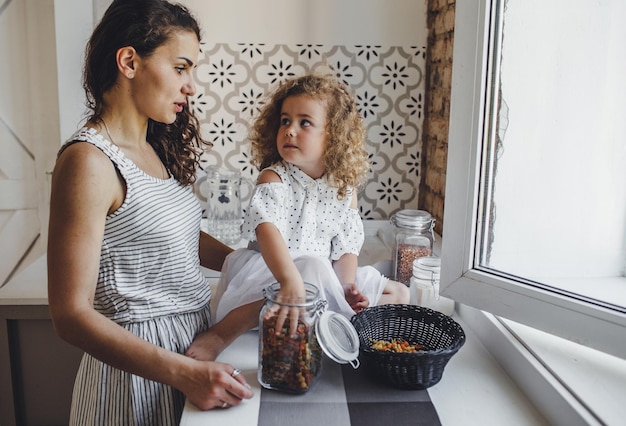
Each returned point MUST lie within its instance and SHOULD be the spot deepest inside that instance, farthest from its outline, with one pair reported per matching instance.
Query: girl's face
(301, 138)
(164, 80)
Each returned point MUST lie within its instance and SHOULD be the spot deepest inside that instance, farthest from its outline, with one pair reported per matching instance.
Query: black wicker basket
(440, 335)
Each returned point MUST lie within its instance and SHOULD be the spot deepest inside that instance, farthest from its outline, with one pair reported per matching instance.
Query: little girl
(302, 223)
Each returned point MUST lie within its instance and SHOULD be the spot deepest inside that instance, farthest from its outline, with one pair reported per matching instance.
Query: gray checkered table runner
(344, 396)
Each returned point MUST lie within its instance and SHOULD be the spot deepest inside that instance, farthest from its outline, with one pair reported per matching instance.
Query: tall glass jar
(292, 364)
(289, 363)
(414, 238)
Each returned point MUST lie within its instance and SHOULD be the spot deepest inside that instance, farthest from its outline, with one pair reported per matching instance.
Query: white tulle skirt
(245, 275)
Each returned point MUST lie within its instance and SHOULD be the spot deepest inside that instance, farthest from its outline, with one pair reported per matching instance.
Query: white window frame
(581, 321)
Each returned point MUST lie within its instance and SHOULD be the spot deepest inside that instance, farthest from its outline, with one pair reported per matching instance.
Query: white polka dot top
(308, 214)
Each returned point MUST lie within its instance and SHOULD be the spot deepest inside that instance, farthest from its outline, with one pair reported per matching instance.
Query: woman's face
(301, 138)
(164, 80)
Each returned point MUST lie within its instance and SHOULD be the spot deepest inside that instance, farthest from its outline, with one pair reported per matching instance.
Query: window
(535, 217)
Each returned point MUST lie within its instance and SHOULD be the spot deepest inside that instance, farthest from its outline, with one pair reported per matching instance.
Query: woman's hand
(214, 385)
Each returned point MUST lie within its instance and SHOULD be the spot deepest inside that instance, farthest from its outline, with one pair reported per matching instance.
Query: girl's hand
(290, 293)
(355, 298)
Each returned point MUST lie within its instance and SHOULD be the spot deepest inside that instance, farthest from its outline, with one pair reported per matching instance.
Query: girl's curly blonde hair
(345, 159)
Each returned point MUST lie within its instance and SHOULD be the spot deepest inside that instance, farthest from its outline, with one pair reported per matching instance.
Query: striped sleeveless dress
(150, 283)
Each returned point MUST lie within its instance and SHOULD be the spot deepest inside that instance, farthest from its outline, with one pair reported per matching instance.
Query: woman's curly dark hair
(145, 25)
(345, 159)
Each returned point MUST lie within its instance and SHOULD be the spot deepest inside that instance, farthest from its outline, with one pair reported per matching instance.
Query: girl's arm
(275, 251)
(85, 188)
(345, 269)
(276, 255)
(345, 266)
(278, 259)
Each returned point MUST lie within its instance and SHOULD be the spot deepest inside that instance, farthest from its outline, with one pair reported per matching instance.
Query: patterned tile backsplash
(389, 85)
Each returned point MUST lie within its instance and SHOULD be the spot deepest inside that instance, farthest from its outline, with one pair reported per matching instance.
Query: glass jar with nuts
(291, 362)
(414, 238)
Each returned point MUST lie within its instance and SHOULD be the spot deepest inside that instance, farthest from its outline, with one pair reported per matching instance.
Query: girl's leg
(209, 344)
(394, 293)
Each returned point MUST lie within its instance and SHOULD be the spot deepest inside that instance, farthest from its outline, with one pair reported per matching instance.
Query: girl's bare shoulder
(268, 176)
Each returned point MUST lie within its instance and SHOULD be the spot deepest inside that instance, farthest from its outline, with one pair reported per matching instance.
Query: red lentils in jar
(414, 238)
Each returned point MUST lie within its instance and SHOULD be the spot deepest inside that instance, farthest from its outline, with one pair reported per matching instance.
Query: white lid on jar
(338, 338)
(408, 218)
(427, 267)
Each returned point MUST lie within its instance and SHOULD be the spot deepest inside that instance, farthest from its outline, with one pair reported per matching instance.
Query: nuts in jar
(406, 254)
(289, 363)
(292, 361)
(414, 238)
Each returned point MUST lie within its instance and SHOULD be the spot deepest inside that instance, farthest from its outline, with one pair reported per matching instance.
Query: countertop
(474, 389)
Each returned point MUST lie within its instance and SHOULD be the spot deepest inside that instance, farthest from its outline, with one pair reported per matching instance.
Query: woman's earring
(131, 75)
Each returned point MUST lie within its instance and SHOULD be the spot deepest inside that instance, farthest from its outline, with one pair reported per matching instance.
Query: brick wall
(437, 108)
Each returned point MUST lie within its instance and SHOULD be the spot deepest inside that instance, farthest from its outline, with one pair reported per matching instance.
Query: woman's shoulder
(85, 152)
(80, 156)
(86, 134)
(89, 140)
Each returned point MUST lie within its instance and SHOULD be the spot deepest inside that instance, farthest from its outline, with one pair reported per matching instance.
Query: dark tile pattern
(388, 82)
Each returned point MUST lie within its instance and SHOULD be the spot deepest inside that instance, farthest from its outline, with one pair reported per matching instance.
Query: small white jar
(424, 286)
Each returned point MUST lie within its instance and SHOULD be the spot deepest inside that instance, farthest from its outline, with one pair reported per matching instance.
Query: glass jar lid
(311, 299)
(428, 267)
(408, 218)
(338, 338)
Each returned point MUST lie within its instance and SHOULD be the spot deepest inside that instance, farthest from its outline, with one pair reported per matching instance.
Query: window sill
(568, 383)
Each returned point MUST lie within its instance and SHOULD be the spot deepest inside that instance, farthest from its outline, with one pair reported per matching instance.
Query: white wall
(376, 47)
(74, 22)
(391, 22)
(343, 22)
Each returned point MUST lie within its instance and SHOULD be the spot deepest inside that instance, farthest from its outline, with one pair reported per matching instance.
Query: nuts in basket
(441, 336)
(396, 345)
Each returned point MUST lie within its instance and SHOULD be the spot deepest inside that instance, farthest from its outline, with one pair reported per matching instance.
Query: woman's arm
(212, 252)
(85, 188)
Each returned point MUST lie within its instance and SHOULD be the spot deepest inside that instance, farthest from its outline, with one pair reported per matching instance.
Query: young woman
(124, 281)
